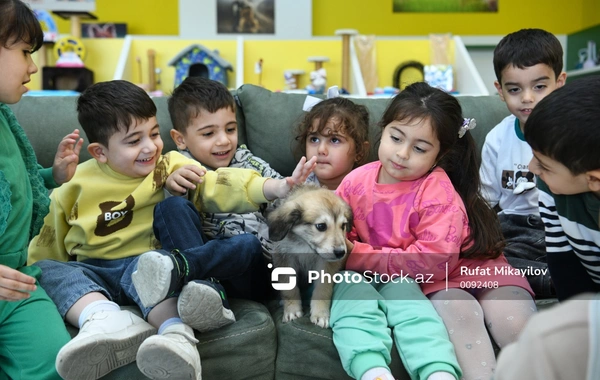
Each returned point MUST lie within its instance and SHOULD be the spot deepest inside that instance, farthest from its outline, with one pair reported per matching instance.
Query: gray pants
(526, 248)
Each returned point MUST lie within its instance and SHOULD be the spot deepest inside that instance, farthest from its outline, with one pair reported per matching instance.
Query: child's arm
(67, 158)
(50, 242)
(490, 187)
(436, 241)
(279, 188)
(14, 285)
(184, 178)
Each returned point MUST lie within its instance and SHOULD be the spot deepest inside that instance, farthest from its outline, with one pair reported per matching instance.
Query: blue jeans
(526, 248)
(67, 282)
(237, 262)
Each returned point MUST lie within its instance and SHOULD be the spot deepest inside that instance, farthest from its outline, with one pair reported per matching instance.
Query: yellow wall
(160, 17)
(156, 17)
(376, 17)
(591, 16)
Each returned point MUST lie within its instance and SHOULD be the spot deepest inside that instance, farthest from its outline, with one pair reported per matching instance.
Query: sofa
(258, 345)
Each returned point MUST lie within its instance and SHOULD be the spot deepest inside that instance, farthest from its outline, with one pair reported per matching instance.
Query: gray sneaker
(171, 355)
(203, 305)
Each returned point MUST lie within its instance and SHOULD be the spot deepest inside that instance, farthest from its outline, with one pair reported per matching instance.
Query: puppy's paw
(319, 313)
(320, 320)
(291, 312)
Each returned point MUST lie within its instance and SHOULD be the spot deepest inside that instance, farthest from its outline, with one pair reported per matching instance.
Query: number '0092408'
(478, 284)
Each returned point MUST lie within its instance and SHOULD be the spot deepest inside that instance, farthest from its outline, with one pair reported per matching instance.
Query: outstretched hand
(301, 172)
(279, 188)
(67, 157)
(15, 285)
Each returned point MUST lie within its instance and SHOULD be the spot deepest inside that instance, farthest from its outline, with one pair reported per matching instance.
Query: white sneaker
(107, 340)
(152, 277)
(203, 305)
(171, 355)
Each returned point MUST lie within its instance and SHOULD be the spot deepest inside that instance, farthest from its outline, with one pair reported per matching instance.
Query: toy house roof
(212, 53)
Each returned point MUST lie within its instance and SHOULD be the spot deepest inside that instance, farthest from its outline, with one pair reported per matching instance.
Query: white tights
(504, 311)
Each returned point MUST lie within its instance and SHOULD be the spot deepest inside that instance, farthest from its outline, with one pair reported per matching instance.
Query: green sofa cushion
(270, 119)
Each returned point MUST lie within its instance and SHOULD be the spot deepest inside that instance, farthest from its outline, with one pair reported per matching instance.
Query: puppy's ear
(282, 221)
(349, 217)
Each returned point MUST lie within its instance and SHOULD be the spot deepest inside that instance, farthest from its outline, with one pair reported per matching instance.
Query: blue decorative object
(48, 25)
(197, 60)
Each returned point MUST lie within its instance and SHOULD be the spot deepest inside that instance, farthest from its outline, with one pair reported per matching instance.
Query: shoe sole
(156, 361)
(152, 278)
(200, 307)
(90, 359)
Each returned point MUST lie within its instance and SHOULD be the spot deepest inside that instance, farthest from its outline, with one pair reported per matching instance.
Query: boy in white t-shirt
(528, 65)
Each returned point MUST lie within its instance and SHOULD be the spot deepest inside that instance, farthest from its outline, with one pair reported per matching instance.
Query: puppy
(308, 231)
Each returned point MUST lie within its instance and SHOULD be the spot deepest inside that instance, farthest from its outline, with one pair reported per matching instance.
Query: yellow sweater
(106, 215)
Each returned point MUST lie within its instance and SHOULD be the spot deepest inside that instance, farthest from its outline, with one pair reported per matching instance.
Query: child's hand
(303, 169)
(279, 188)
(15, 285)
(67, 157)
(184, 178)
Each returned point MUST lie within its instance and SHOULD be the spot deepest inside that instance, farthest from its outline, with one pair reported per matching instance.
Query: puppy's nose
(339, 252)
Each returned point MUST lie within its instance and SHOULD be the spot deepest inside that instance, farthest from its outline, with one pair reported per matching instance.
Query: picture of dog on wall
(308, 231)
(246, 16)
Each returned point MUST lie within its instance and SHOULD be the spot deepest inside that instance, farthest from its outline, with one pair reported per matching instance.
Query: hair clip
(468, 124)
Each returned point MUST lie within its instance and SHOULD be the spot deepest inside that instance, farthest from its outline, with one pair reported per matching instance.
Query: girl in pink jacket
(419, 219)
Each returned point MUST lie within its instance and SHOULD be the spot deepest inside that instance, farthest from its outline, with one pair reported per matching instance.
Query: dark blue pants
(237, 262)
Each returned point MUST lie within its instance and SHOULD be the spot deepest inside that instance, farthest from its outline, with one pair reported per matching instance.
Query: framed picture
(439, 6)
(103, 30)
(245, 16)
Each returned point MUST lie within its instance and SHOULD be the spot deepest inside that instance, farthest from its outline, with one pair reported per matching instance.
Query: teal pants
(31, 334)
(365, 315)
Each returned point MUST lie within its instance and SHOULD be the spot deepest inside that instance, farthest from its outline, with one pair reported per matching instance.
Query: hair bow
(311, 101)
(467, 125)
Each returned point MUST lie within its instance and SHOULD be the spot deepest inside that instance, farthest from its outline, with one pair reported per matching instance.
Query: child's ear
(98, 151)
(178, 138)
(561, 80)
(593, 178)
(362, 152)
(499, 89)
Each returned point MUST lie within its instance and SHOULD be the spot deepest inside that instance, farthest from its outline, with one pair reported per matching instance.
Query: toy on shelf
(440, 73)
(153, 74)
(48, 25)
(69, 52)
(318, 77)
(346, 34)
(318, 82)
(258, 70)
(50, 33)
(292, 78)
(199, 61)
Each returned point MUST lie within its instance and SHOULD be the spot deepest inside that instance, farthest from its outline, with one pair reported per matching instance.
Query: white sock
(94, 307)
(442, 375)
(167, 323)
(380, 373)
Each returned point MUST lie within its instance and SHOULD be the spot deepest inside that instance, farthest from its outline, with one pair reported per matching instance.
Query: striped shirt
(571, 224)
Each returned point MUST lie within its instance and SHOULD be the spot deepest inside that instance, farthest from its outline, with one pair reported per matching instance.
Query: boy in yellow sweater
(102, 219)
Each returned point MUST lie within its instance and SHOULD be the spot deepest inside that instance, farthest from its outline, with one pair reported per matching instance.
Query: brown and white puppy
(308, 231)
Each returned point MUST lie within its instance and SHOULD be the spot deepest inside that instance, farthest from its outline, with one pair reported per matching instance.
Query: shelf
(580, 72)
